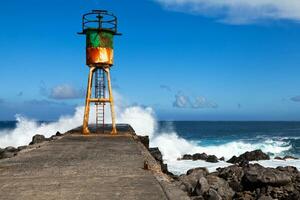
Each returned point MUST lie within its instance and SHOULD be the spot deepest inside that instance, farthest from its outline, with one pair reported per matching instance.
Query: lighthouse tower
(100, 27)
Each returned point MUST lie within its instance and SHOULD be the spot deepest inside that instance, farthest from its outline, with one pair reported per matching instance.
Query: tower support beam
(89, 100)
(85, 128)
(111, 100)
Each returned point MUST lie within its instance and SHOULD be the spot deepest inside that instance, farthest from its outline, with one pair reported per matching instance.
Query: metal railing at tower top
(100, 19)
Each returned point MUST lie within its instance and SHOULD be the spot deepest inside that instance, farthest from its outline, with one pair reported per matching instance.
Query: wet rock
(289, 169)
(220, 186)
(199, 171)
(190, 180)
(186, 157)
(212, 159)
(222, 159)
(58, 133)
(199, 156)
(164, 168)
(155, 152)
(249, 156)
(187, 184)
(144, 140)
(290, 157)
(244, 182)
(37, 139)
(202, 187)
(233, 175)
(258, 176)
(278, 158)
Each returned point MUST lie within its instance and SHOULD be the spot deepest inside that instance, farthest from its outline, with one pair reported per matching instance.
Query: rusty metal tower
(100, 27)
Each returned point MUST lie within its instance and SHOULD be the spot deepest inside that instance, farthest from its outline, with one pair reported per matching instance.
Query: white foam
(144, 122)
(173, 147)
(26, 128)
(276, 163)
(182, 166)
(141, 119)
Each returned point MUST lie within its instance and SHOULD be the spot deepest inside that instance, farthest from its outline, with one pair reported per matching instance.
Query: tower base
(98, 99)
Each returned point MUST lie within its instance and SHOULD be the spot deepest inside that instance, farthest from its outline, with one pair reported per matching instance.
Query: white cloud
(183, 101)
(238, 11)
(65, 91)
(202, 102)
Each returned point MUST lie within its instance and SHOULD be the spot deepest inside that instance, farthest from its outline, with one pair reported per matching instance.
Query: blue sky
(189, 61)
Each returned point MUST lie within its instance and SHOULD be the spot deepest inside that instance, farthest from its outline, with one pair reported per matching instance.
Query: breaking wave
(144, 122)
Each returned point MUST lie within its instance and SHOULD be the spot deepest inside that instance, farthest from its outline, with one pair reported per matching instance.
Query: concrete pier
(98, 166)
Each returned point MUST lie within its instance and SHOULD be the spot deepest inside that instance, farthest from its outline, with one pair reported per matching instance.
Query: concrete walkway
(80, 167)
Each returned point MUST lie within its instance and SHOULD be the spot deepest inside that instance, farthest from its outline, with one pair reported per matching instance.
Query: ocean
(259, 133)
(175, 138)
(229, 138)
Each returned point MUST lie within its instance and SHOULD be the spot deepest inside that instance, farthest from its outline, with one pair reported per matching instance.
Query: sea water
(176, 138)
(229, 138)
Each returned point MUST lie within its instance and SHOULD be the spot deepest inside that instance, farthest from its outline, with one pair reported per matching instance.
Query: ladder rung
(99, 100)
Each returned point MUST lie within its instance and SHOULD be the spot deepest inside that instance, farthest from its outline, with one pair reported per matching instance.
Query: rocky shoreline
(241, 180)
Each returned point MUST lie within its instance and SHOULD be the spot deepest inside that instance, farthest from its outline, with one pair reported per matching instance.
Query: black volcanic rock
(144, 140)
(212, 159)
(58, 134)
(220, 186)
(190, 180)
(199, 156)
(202, 187)
(278, 158)
(187, 157)
(233, 175)
(155, 152)
(38, 139)
(202, 171)
(249, 156)
(198, 182)
(256, 175)
(248, 182)
(285, 157)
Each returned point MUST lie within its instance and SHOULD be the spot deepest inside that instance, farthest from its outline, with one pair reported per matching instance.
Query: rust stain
(99, 55)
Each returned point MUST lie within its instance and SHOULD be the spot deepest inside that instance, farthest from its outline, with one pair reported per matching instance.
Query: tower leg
(111, 99)
(85, 128)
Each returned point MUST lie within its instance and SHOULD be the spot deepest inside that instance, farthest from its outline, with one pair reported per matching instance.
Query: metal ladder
(100, 94)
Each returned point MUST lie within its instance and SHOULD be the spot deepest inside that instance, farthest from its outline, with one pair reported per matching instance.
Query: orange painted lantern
(99, 27)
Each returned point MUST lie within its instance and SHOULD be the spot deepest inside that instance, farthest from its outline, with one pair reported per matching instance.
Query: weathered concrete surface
(82, 167)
